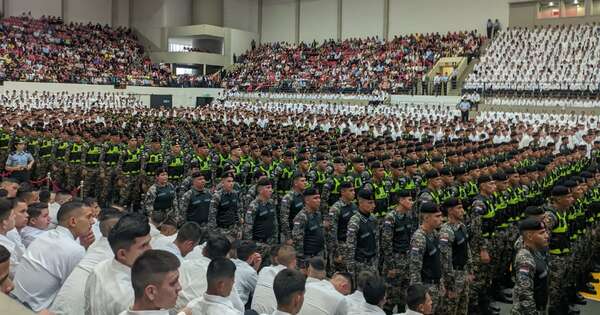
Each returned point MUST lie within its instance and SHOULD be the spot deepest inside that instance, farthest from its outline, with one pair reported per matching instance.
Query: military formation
(456, 215)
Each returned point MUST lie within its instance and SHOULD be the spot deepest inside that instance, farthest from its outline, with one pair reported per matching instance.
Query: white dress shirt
(44, 267)
(70, 298)
(108, 289)
(355, 299)
(213, 305)
(366, 309)
(30, 233)
(169, 246)
(53, 214)
(158, 312)
(264, 301)
(322, 298)
(16, 252)
(245, 279)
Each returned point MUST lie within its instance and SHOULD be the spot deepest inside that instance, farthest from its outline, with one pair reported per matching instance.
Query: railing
(534, 88)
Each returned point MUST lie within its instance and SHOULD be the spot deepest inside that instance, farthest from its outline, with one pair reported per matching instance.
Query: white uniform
(245, 279)
(15, 251)
(108, 289)
(355, 299)
(366, 309)
(70, 298)
(322, 298)
(30, 233)
(264, 300)
(45, 266)
(213, 305)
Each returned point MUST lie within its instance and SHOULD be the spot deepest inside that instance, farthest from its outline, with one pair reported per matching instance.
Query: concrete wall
(241, 14)
(362, 18)
(240, 41)
(279, 21)
(318, 20)
(525, 14)
(207, 12)
(181, 97)
(95, 11)
(36, 7)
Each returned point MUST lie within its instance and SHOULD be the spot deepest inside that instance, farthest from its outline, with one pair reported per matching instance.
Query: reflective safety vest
(92, 157)
(203, 163)
(175, 168)
(4, 140)
(133, 163)
(46, 149)
(155, 160)
(61, 151)
(112, 155)
(75, 153)
(559, 240)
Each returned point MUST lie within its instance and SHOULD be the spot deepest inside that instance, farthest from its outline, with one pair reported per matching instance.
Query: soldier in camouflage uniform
(177, 164)
(308, 233)
(152, 159)
(359, 175)
(283, 174)
(338, 218)
(161, 200)
(318, 175)
(74, 167)
(260, 222)
(129, 175)
(425, 266)
(110, 167)
(225, 212)
(380, 187)
(331, 190)
(398, 227)
(5, 145)
(362, 241)
(530, 293)
(290, 206)
(195, 203)
(45, 156)
(92, 159)
(456, 259)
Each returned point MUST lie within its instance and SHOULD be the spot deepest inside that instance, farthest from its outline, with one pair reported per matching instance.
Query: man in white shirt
(6, 285)
(70, 297)
(220, 278)
(418, 301)
(357, 298)
(155, 282)
(37, 223)
(289, 287)
(374, 294)
(247, 263)
(264, 300)
(321, 297)
(50, 259)
(19, 208)
(60, 199)
(108, 289)
(7, 223)
(187, 238)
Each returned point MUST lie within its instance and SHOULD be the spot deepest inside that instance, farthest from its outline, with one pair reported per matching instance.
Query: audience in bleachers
(547, 59)
(352, 65)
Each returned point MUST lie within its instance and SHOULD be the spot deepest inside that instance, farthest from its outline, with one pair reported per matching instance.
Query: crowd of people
(544, 59)
(564, 102)
(357, 208)
(352, 65)
(379, 96)
(48, 50)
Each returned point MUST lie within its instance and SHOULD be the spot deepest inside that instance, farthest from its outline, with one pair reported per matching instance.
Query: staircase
(465, 74)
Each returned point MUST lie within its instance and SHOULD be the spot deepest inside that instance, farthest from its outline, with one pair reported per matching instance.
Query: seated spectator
(37, 224)
(418, 300)
(220, 277)
(321, 296)
(264, 301)
(374, 293)
(289, 287)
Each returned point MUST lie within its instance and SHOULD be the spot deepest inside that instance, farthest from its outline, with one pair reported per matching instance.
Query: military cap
(429, 207)
(531, 224)
(263, 182)
(366, 194)
(451, 203)
(310, 192)
(534, 210)
(484, 179)
(346, 185)
(559, 190)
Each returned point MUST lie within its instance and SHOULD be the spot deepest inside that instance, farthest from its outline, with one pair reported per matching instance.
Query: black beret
(429, 207)
(263, 182)
(432, 174)
(531, 224)
(510, 171)
(366, 194)
(569, 183)
(436, 159)
(445, 171)
(500, 176)
(338, 160)
(586, 174)
(409, 162)
(534, 210)
(484, 179)
(346, 185)
(451, 203)
(559, 190)
(459, 170)
(403, 193)
(310, 192)
(288, 154)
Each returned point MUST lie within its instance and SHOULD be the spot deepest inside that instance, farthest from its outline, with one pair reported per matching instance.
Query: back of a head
(129, 227)
(108, 217)
(217, 246)
(68, 210)
(150, 269)
(44, 196)
(286, 255)
(245, 249)
(220, 269)
(4, 254)
(25, 192)
(286, 284)
(6, 206)
(189, 231)
(62, 197)
(316, 268)
(416, 295)
(374, 290)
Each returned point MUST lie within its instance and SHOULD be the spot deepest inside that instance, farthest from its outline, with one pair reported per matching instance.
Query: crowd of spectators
(551, 61)
(352, 65)
(49, 50)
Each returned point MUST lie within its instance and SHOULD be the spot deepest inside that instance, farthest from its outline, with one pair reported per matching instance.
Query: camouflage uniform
(558, 260)
(5, 145)
(308, 235)
(456, 261)
(260, 225)
(362, 244)
(290, 206)
(423, 244)
(396, 232)
(225, 213)
(194, 206)
(338, 217)
(74, 165)
(331, 192)
(481, 232)
(129, 177)
(109, 172)
(164, 200)
(282, 178)
(93, 157)
(59, 165)
(530, 294)
(45, 158)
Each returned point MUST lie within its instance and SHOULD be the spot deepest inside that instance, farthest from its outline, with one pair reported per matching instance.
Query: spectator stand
(444, 77)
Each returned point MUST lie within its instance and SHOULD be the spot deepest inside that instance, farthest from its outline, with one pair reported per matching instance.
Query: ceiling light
(551, 4)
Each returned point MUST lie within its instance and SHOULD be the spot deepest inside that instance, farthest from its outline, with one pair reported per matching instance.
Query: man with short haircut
(357, 298)
(418, 301)
(37, 224)
(264, 301)
(19, 208)
(321, 296)
(289, 287)
(6, 285)
(7, 223)
(108, 289)
(52, 256)
(11, 186)
(374, 293)
(70, 298)
(155, 282)
(187, 238)
(220, 277)
(247, 263)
